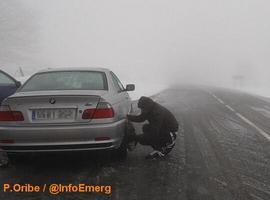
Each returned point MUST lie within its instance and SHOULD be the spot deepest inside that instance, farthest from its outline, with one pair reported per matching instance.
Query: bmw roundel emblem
(52, 101)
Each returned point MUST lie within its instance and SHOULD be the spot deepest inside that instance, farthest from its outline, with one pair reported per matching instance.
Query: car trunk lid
(53, 108)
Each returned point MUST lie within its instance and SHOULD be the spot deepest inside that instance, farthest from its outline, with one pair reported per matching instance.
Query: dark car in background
(8, 85)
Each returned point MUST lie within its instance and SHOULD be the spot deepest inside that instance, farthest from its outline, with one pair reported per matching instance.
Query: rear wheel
(121, 152)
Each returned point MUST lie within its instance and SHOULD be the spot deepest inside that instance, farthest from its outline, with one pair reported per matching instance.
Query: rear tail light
(103, 113)
(88, 113)
(103, 110)
(8, 115)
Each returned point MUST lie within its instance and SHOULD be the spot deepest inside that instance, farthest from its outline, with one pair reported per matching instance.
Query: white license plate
(53, 114)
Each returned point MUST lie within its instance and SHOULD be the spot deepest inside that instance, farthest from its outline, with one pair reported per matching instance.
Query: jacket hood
(146, 104)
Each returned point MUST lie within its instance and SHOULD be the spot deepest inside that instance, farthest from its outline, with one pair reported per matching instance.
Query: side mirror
(18, 84)
(130, 87)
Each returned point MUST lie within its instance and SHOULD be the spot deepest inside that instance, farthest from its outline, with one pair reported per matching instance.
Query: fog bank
(146, 42)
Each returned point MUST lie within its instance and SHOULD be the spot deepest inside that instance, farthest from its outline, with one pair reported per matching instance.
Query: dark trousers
(149, 137)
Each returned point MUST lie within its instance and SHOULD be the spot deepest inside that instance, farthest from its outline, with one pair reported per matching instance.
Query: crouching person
(161, 131)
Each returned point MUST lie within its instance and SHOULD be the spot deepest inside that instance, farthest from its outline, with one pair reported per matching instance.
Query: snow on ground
(265, 92)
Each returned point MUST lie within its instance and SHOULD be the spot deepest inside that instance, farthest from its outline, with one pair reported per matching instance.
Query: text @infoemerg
(56, 189)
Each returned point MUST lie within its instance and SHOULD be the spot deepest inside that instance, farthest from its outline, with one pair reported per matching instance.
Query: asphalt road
(220, 155)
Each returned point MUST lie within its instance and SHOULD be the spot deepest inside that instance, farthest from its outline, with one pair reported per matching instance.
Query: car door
(8, 85)
(124, 99)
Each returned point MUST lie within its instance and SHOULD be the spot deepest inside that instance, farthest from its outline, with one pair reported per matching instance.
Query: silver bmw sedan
(66, 110)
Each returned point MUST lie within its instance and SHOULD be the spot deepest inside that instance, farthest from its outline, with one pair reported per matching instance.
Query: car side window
(4, 79)
(116, 82)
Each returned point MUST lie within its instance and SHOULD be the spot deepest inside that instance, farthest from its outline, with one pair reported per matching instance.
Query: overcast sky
(158, 41)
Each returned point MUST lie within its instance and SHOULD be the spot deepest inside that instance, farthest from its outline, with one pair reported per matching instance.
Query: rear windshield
(66, 80)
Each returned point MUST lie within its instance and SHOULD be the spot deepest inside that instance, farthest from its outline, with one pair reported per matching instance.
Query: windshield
(67, 80)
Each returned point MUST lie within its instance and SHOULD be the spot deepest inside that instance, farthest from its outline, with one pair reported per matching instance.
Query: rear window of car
(66, 80)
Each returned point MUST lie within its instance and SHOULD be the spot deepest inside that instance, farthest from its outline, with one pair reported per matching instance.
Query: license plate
(53, 114)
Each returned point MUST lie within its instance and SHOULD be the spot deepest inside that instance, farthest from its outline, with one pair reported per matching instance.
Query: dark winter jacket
(161, 120)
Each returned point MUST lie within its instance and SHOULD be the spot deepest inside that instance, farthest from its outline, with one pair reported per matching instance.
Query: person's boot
(154, 155)
(169, 146)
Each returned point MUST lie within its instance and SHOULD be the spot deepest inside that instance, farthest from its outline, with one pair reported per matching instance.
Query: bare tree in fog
(16, 32)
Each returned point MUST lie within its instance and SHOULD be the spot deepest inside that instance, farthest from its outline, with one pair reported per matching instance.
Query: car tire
(121, 152)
